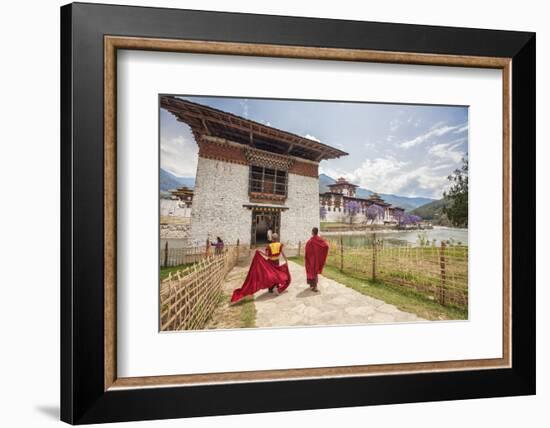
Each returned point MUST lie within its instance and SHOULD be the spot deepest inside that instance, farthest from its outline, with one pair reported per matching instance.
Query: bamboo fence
(189, 297)
(170, 256)
(438, 272)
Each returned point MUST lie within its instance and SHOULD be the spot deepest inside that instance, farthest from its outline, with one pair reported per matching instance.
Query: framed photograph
(272, 213)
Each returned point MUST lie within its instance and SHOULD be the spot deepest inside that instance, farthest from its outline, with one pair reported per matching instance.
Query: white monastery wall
(221, 189)
(334, 216)
(176, 231)
(174, 208)
(303, 210)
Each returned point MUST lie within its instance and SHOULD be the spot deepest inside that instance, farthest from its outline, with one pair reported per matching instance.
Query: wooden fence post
(207, 252)
(374, 257)
(341, 254)
(299, 247)
(238, 249)
(166, 254)
(442, 276)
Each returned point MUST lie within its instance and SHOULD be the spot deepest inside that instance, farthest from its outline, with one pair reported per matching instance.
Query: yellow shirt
(274, 250)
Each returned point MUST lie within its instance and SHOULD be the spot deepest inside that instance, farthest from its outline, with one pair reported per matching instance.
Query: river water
(390, 237)
(404, 237)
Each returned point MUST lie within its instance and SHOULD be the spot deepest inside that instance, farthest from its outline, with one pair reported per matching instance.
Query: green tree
(457, 211)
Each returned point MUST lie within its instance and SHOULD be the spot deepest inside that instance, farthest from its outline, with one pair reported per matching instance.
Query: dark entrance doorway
(262, 221)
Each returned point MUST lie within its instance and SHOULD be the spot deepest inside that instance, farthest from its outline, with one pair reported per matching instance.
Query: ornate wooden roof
(375, 198)
(183, 192)
(205, 120)
(342, 182)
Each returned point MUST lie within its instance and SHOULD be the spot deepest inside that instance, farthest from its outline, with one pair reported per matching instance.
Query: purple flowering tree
(323, 212)
(352, 208)
(410, 219)
(399, 217)
(416, 219)
(374, 212)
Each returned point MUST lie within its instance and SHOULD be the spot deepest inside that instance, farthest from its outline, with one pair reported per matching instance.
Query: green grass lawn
(247, 313)
(417, 264)
(403, 298)
(164, 271)
(239, 315)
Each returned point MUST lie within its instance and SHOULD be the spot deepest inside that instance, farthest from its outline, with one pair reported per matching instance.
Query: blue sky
(407, 150)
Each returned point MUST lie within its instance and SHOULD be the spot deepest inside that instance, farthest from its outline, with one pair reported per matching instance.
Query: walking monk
(316, 256)
(265, 272)
(273, 251)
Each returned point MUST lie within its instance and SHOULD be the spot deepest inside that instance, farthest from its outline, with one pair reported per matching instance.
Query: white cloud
(437, 125)
(428, 180)
(394, 125)
(312, 137)
(376, 174)
(244, 106)
(436, 131)
(369, 145)
(447, 151)
(334, 173)
(443, 166)
(391, 175)
(179, 155)
(266, 123)
(461, 129)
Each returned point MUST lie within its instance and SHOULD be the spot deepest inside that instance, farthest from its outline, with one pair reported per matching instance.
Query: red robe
(262, 274)
(316, 256)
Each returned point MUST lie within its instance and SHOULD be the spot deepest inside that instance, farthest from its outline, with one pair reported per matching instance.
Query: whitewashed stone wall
(303, 210)
(334, 216)
(176, 231)
(221, 189)
(341, 217)
(174, 208)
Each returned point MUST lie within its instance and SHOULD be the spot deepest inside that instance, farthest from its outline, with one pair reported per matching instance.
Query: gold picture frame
(114, 43)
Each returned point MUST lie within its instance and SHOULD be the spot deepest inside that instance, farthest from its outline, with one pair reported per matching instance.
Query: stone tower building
(343, 187)
(250, 177)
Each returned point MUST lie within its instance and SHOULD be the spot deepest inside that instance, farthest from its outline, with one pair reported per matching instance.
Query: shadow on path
(266, 296)
(306, 292)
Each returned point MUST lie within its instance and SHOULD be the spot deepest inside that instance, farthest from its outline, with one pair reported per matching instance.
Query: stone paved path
(333, 304)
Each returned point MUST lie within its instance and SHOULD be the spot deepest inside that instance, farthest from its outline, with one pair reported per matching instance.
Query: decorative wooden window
(267, 183)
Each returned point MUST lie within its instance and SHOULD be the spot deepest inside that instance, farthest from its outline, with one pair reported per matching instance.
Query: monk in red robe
(316, 256)
(273, 252)
(261, 275)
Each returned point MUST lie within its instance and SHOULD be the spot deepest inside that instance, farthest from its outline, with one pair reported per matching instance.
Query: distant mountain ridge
(434, 212)
(406, 202)
(169, 181)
